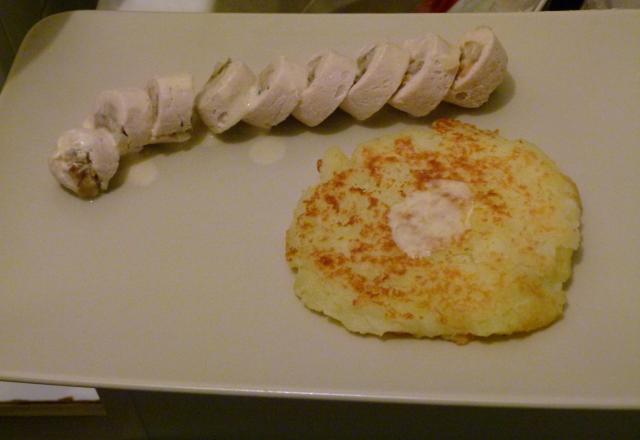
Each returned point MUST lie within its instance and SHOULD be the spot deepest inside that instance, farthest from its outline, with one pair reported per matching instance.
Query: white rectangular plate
(176, 278)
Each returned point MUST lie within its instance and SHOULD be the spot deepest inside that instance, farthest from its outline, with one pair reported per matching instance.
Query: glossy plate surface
(176, 279)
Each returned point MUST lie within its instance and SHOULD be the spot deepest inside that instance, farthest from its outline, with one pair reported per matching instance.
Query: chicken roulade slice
(330, 76)
(432, 69)
(280, 85)
(127, 112)
(225, 98)
(483, 65)
(85, 160)
(381, 68)
(172, 108)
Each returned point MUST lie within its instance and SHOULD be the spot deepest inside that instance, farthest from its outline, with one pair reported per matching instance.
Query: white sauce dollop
(428, 220)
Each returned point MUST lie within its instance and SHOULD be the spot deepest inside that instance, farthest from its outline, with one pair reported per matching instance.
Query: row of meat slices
(124, 121)
(414, 77)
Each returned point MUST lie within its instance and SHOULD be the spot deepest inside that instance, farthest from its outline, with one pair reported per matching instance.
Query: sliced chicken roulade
(280, 85)
(225, 98)
(172, 108)
(381, 68)
(127, 112)
(85, 160)
(483, 65)
(431, 71)
(330, 76)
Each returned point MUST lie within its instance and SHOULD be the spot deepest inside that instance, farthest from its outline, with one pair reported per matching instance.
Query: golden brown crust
(341, 234)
